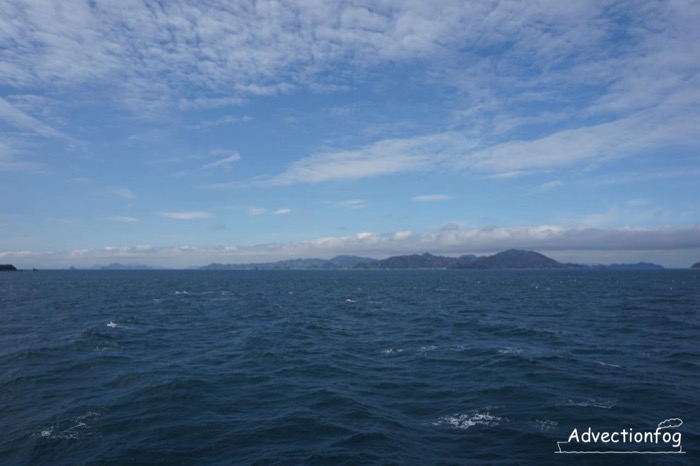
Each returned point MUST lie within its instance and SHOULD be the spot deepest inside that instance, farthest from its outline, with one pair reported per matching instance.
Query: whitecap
(70, 429)
(112, 324)
(608, 365)
(509, 350)
(105, 348)
(590, 403)
(392, 350)
(349, 301)
(545, 425)
(465, 421)
(428, 348)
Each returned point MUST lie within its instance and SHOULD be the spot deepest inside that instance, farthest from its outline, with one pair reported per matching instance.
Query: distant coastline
(511, 259)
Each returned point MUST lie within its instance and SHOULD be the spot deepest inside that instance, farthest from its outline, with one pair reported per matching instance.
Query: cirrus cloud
(185, 215)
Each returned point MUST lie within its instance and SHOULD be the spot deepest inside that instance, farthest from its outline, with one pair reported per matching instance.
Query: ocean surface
(346, 367)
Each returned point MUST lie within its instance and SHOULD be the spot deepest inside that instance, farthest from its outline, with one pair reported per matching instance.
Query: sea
(350, 367)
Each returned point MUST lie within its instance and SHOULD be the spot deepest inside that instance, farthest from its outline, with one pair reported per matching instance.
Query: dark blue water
(346, 367)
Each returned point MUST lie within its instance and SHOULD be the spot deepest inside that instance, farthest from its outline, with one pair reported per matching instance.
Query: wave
(608, 365)
(466, 420)
(74, 428)
(602, 403)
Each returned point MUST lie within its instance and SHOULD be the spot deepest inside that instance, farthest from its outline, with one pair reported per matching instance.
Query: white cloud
(256, 211)
(353, 203)
(124, 193)
(222, 163)
(631, 212)
(548, 186)
(206, 103)
(431, 198)
(216, 54)
(385, 157)
(10, 157)
(198, 56)
(225, 120)
(587, 144)
(260, 49)
(670, 246)
(451, 151)
(282, 211)
(25, 122)
(185, 215)
(120, 218)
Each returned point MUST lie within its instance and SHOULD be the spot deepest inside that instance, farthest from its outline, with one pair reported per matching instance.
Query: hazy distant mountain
(637, 266)
(348, 262)
(338, 262)
(118, 266)
(511, 259)
(516, 259)
(695, 265)
(416, 261)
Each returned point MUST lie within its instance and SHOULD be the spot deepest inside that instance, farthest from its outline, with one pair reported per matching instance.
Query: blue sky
(180, 133)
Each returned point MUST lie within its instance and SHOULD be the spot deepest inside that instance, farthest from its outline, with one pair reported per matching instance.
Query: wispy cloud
(256, 211)
(386, 157)
(284, 211)
(224, 160)
(222, 163)
(548, 186)
(185, 215)
(353, 203)
(451, 151)
(216, 46)
(207, 103)
(10, 157)
(216, 54)
(25, 122)
(225, 120)
(121, 218)
(431, 198)
(631, 212)
(124, 193)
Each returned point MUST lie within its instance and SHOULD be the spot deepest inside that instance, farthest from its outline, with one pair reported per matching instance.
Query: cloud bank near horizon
(671, 246)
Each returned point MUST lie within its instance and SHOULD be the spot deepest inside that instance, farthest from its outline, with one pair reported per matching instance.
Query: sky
(179, 133)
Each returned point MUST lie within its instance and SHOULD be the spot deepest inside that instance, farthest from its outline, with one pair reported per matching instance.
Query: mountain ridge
(509, 259)
(335, 263)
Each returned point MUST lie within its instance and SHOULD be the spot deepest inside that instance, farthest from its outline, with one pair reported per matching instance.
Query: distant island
(695, 265)
(118, 266)
(115, 266)
(336, 263)
(510, 259)
(8, 268)
(637, 266)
